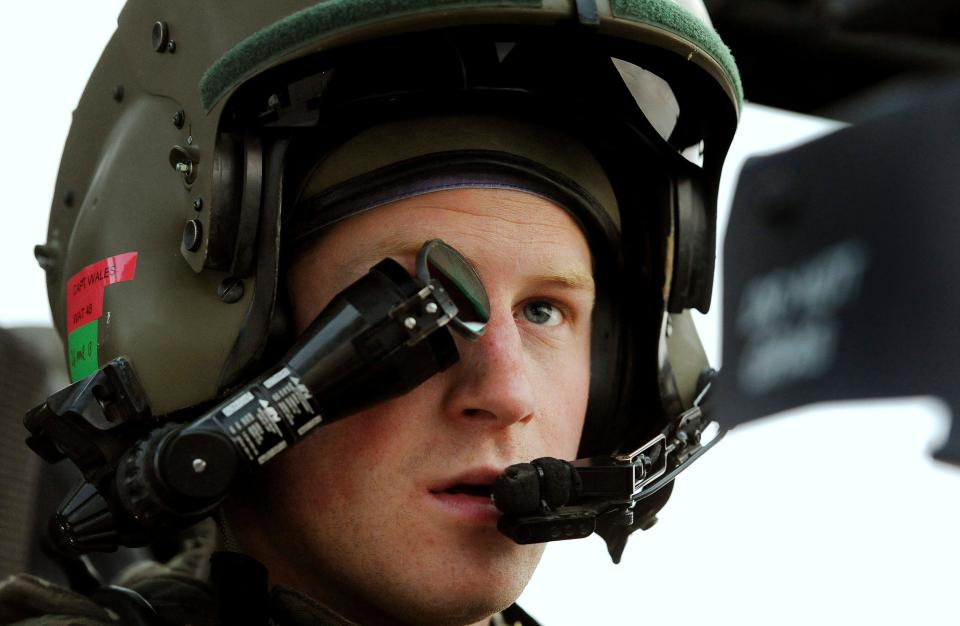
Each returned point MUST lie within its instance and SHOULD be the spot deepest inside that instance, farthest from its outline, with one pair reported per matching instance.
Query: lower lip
(470, 508)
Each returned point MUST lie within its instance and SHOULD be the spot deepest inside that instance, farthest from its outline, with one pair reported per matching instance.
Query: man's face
(361, 514)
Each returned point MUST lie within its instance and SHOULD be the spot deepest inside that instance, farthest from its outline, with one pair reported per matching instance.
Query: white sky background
(826, 516)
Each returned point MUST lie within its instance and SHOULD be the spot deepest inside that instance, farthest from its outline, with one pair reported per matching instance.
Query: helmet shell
(193, 312)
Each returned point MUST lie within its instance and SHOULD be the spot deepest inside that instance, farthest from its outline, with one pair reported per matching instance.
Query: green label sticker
(82, 344)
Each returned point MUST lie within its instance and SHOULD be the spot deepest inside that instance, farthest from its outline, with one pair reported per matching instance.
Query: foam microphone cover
(517, 490)
(559, 482)
(527, 488)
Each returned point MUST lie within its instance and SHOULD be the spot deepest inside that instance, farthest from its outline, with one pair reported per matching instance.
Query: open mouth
(469, 500)
(480, 491)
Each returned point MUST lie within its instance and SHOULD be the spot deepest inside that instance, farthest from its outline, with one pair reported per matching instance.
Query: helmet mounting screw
(160, 36)
(230, 290)
(118, 93)
(178, 118)
(197, 204)
(172, 46)
(182, 160)
(192, 235)
(431, 308)
(410, 323)
(199, 465)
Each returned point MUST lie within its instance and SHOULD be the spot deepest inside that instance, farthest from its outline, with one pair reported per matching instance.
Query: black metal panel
(840, 268)
(809, 55)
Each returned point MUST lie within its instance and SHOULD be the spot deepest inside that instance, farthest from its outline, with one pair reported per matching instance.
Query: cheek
(572, 428)
(365, 455)
(338, 463)
(564, 391)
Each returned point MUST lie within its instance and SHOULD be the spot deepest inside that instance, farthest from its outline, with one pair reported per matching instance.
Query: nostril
(479, 414)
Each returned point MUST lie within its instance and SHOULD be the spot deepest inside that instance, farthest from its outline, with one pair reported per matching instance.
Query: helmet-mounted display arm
(377, 339)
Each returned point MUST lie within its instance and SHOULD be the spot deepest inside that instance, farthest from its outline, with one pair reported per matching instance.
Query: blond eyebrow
(569, 280)
(573, 279)
(404, 247)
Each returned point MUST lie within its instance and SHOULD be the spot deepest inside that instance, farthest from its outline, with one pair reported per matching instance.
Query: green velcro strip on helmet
(323, 18)
(666, 14)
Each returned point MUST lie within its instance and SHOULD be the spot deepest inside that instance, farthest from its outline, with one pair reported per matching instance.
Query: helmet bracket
(261, 241)
(692, 280)
(243, 252)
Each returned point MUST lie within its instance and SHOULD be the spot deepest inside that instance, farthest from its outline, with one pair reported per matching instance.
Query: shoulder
(30, 601)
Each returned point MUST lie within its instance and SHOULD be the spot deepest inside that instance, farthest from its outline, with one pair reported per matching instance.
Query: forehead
(498, 230)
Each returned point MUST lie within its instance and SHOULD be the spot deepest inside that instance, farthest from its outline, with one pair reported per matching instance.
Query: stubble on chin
(461, 582)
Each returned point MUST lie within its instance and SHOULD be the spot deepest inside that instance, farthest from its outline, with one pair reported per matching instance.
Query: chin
(464, 607)
(492, 586)
(467, 590)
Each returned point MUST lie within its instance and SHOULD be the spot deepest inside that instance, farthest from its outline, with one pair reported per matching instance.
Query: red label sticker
(85, 288)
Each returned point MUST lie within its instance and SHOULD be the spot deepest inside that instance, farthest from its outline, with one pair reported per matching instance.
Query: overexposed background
(828, 516)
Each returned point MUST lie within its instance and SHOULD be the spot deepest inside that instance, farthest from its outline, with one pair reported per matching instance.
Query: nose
(491, 381)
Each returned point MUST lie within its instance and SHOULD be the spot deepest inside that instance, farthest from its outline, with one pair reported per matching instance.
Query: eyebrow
(569, 280)
(398, 246)
(575, 280)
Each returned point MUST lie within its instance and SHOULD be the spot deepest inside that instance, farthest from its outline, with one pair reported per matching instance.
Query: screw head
(178, 119)
(230, 290)
(192, 235)
(197, 204)
(199, 465)
(160, 36)
(410, 323)
(431, 308)
(172, 46)
(182, 161)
